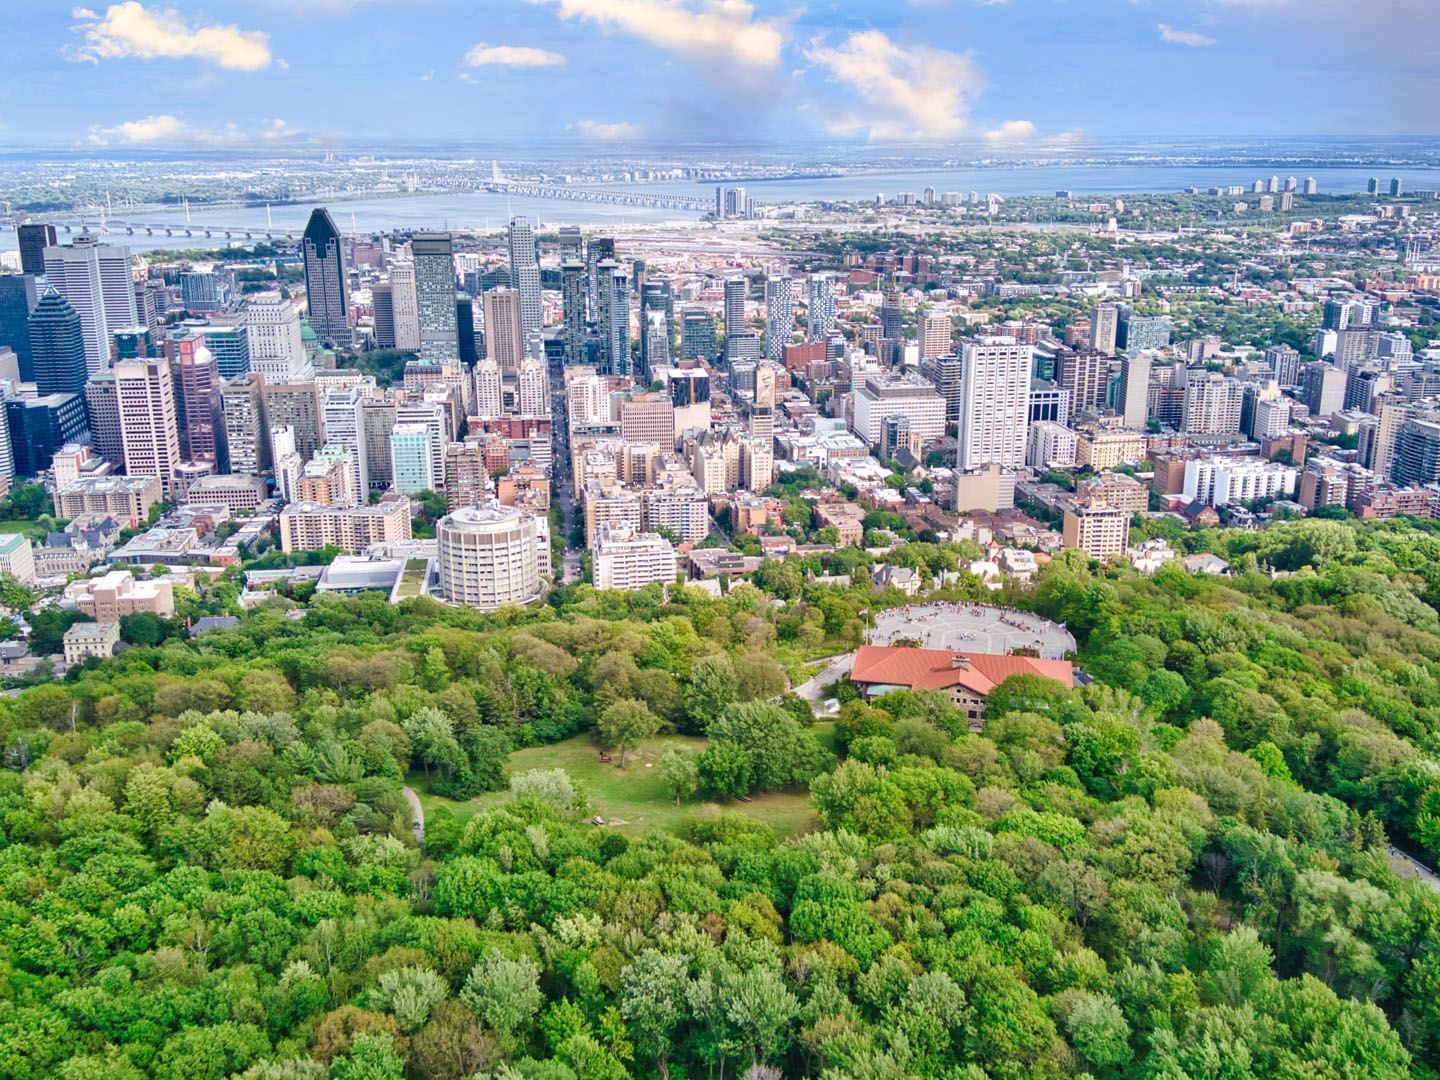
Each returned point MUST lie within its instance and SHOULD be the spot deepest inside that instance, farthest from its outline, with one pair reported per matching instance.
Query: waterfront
(484, 211)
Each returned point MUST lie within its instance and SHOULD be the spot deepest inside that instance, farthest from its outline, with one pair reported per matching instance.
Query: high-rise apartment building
(242, 415)
(148, 431)
(935, 336)
(1084, 373)
(532, 388)
(613, 321)
(57, 346)
(327, 280)
(434, 257)
(994, 403)
(1105, 328)
(821, 311)
(295, 407)
(102, 417)
(412, 458)
(572, 307)
(779, 314)
(488, 557)
(599, 249)
(525, 273)
(344, 426)
(404, 305)
(1133, 398)
(96, 279)
(736, 288)
(1213, 404)
(697, 335)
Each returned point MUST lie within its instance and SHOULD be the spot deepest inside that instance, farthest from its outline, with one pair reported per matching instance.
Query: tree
(625, 724)
(408, 994)
(724, 767)
(679, 773)
(713, 687)
(505, 993)
(652, 999)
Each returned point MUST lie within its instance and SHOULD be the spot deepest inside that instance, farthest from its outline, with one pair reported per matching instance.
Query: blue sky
(1004, 73)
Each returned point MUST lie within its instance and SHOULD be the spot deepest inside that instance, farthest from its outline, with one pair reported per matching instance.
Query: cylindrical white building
(488, 557)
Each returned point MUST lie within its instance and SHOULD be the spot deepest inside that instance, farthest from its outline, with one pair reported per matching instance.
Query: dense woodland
(207, 867)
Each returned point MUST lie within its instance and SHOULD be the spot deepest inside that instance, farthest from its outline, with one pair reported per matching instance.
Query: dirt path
(417, 815)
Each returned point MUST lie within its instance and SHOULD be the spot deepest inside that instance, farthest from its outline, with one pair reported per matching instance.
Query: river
(480, 210)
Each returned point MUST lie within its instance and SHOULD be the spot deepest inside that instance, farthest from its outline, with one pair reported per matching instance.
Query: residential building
(1219, 481)
(1213, 404)
(1132, 399)
(910, 395)
(1105, 328)
(412, 458)
(525, 275)
(624, 559)
(295, 406)
(820, 313)
(1051, 446)
(310, 527)
(148, 432)
(995, 403)
(1322, 388)
(779, 314)
(1099, 530)
(488, 557)
(242, 418)
(128, 499)
(935, 336)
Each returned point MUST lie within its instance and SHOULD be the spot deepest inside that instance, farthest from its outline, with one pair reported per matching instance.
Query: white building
(96, 280)
(532, 388)
(587, 398)
(903, 395)
(345, 426)
(487, 557)
(994, 403)
(1051, 446)
(625, 559)
(1212, 404)
(272, 326)
(489, 391)
(1216, 481)
(406, 305)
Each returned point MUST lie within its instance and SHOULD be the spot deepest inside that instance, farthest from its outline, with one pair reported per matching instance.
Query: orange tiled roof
(935, 669)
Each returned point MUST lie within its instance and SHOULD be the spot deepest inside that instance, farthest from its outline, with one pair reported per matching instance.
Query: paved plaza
(982, 628)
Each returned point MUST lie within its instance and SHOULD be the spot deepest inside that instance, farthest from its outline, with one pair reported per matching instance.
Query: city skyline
(1007, 76)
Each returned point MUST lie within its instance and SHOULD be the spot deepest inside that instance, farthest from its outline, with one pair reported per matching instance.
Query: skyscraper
(102, 416)
(57, 345)
(404, 305)
(96, 279)
(892, 332)
(1105, 328)
(382, 312)
(147, 420)
(489, 389)
(33, 240)
(242, 415)
(434, 256)
(277, 349)
(504, 328)
(525, 273)
(572, 304)
(327, 283)
(344, 426)
(1133, 398)
(657, 325)
(994, 403)
(821, 313)
(735, 291)
(197, 383)
(779, 314)
(599, 249)
(935, 335)
(613, 322)
(697, 334)
(18, 297)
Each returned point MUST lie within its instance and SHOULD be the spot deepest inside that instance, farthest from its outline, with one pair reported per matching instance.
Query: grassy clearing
(632, 800)
(33, 529)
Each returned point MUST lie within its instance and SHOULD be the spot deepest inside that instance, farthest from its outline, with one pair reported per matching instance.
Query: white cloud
(131, 30)
(914, 92)
(516, 56)
(720, 35)
(598, 129)
(1011, 131)
(1184, 37)
(171, 131)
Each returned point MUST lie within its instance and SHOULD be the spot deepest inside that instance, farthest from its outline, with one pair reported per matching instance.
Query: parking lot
(978, 627)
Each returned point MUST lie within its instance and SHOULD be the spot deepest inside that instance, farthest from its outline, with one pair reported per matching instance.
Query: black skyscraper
(58, 344)
(34, 239)
(327, 284)
(18, 297)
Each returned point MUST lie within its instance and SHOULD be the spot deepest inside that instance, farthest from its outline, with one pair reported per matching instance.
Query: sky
(1004, 74)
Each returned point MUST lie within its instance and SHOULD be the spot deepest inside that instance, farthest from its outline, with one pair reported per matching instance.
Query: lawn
(33, 529)
(633, 800)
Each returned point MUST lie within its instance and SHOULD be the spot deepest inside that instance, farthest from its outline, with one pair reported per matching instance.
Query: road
(1408, 867)
(813, 688)
(417, 815)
